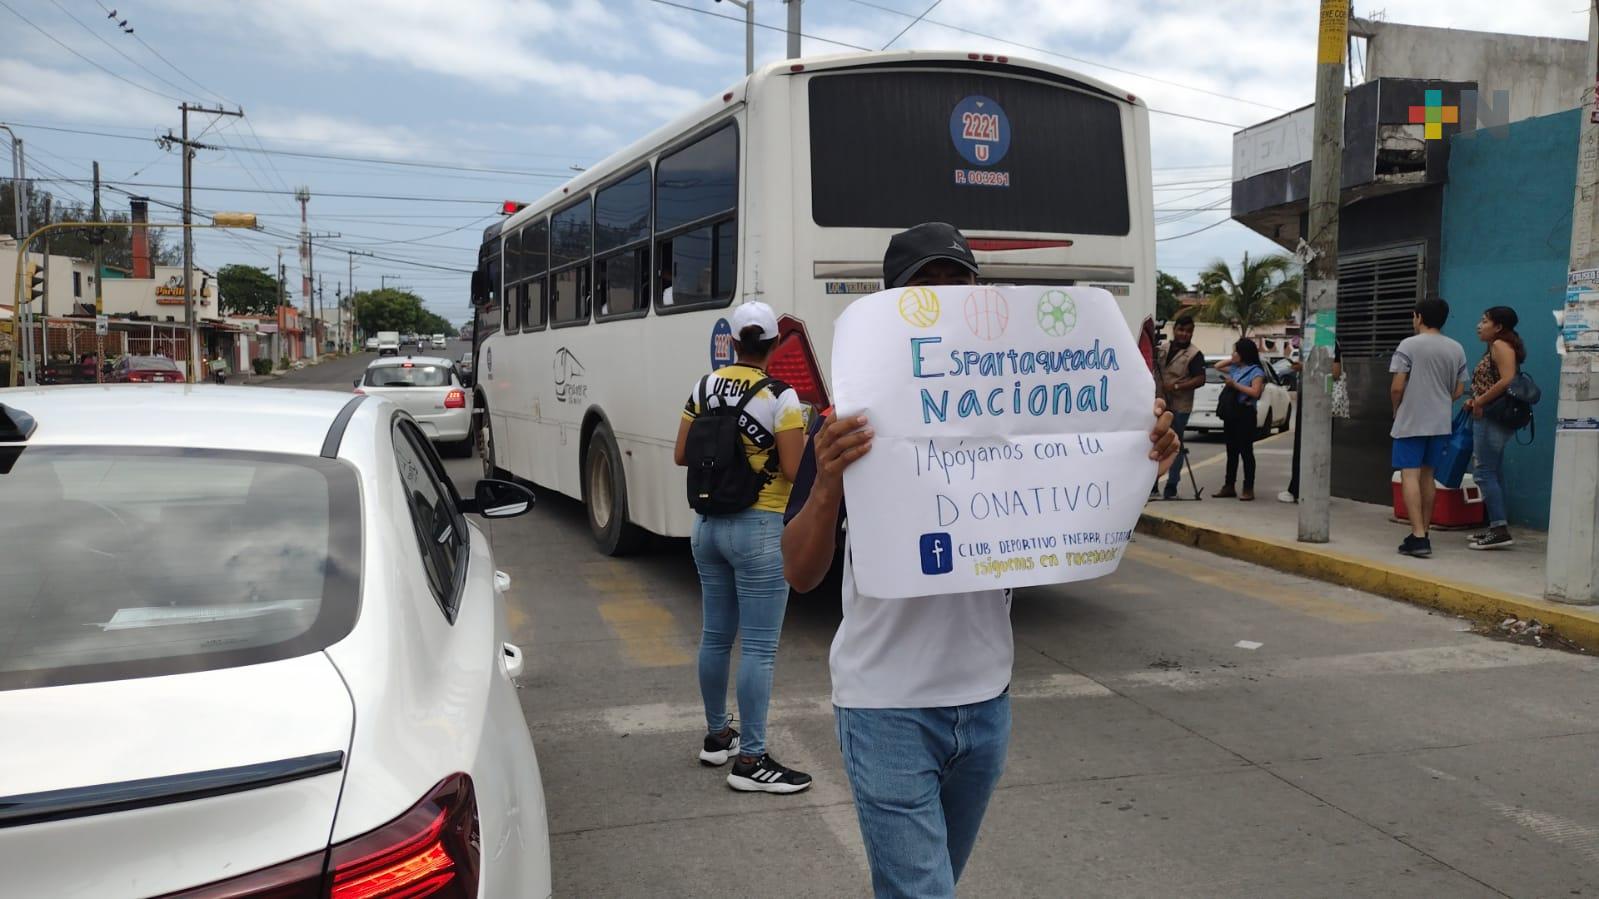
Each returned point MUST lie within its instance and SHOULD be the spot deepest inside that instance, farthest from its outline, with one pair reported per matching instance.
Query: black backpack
(720, 478)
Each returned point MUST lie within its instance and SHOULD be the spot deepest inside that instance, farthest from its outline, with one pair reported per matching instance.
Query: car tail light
(455, 399)
(1146, 342)
(793, 362)
(431, 850)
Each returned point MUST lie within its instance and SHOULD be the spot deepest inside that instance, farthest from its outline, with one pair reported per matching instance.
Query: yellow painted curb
(1579, 624)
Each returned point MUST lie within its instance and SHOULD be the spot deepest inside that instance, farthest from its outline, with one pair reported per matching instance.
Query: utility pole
(316, 321)
(21, 317)
(1321, 278)
(793, 28)
(313, 299)
(188, 148)
(99, 245)
(44, 301)
(1569, 574)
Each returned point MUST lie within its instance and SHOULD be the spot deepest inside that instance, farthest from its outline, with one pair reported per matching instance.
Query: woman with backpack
(741, 438)
(1489, 433)
(1245, 381)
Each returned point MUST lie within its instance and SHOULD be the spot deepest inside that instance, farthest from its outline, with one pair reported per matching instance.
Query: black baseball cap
(909, 250)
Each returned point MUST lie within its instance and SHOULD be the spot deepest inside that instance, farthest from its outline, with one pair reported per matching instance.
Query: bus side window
(696, 221)
(571, 242)
(513, 274)
(622, 246)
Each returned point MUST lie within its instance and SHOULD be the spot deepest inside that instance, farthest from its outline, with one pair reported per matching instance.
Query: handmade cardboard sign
(1012, 436)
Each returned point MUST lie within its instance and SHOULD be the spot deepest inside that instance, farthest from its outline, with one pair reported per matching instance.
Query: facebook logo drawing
(938, 554)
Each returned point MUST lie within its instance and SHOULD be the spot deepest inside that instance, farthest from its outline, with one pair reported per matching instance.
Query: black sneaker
(1420, 547)
(719, 749)
(765, 775)
(1498, 538)
(1169, 493)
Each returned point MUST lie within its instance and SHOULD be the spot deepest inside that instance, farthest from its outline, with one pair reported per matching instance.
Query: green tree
(246, 290)
(1264, 289)
(1167, 290)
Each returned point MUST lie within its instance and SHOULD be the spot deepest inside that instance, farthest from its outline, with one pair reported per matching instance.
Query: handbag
(1513, 409)
(1457, 452)
(1340, 398)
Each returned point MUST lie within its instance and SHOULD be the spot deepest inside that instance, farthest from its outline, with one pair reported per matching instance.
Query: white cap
(756, 313)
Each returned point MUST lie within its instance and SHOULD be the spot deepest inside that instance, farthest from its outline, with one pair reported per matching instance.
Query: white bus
(600, 304)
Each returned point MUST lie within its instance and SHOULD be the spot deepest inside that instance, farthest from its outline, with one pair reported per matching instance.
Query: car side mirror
(499, 499)
(466, 378)
(357, 382)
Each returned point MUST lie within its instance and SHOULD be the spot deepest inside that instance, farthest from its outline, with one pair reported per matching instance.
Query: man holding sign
(1013, 454)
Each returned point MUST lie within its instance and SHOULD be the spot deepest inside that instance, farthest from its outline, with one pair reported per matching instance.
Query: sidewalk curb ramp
(1579, 624)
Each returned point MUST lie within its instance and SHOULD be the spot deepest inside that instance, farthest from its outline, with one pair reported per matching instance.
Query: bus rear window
(890, 149)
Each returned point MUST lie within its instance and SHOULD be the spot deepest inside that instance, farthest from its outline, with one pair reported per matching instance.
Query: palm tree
(1265, 290)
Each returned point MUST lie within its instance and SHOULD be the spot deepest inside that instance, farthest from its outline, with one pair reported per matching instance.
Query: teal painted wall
(1507, 242)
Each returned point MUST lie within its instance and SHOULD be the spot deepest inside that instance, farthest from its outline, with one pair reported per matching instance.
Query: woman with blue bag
(1245, 380)
(1490, 382)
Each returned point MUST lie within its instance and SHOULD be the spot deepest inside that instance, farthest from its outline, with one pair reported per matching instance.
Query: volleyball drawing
(919, 307)
(1057, 313)
(987, 313)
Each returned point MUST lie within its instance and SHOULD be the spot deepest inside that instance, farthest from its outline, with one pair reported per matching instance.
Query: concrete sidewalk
(1488, 586)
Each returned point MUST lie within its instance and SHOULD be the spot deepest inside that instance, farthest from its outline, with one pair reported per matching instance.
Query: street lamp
(749, 32)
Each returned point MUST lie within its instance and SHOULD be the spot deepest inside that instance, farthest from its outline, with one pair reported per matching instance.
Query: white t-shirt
(926, 652)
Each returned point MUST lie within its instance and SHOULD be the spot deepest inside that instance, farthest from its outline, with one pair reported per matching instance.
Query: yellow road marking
(649, 634)
(1274, 594)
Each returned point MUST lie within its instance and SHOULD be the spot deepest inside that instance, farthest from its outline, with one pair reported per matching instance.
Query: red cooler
(1460, 507)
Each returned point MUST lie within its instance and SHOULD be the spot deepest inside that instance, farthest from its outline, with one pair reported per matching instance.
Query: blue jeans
(1488, 439)
(922, 779)
(1179, 424)
(740, 558)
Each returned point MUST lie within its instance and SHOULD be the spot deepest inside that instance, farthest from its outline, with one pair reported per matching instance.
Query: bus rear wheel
(605, 496)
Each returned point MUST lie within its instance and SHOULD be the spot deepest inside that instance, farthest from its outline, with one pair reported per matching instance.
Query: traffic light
(35, 283)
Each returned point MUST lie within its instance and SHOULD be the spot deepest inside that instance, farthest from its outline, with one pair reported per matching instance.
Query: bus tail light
(793, 362)
(1146, 343)
(455, 399)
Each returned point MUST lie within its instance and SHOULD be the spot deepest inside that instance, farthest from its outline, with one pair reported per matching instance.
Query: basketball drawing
(1057, 313)
(987, 313)
(919, 307)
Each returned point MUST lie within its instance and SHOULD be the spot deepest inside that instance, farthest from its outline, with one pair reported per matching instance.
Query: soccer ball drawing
(1057, 313)
(987, 313)
(919, 307)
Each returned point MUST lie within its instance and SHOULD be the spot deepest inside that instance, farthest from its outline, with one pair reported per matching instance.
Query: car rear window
(153, 363)
(135, 562)
(418, 375)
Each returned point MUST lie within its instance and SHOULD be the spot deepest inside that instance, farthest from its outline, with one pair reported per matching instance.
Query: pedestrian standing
(1429, 373)
(1500, 363)
(921, 687)
(1244, 380)
(741, 488)
(1182, 371)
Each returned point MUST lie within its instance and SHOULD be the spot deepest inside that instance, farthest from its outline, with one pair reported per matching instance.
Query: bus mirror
(477, 288)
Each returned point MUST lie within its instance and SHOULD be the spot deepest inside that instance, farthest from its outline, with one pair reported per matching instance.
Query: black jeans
(1240, 436)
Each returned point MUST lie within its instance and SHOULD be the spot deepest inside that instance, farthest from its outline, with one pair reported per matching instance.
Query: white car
(371, 344)
(1274, 410)
(254, 646)
(431, 390)
(439, 343)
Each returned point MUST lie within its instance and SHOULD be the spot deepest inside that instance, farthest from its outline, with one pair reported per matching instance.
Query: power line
(911, 24)
(258, 190)
(86, 59)
(337, 157)
(114, 48)
(1193, 232)
(740, 20)
(991, 37)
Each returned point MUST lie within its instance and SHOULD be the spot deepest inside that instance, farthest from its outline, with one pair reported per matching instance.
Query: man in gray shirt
(1429, 374)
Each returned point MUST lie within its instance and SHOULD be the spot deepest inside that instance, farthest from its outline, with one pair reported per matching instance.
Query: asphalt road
(1191, 726)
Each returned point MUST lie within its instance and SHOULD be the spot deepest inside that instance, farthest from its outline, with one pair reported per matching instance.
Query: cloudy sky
(509, 95)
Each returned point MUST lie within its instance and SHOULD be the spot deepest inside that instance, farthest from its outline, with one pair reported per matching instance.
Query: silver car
(430, 388)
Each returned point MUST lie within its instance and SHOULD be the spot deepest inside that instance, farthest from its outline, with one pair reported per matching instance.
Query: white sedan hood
(202, 777)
